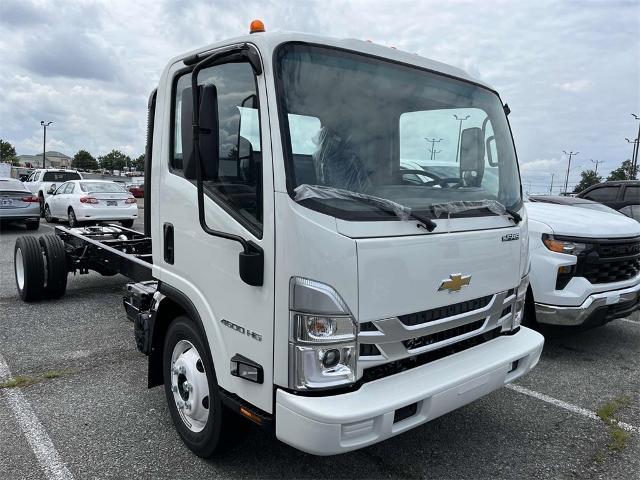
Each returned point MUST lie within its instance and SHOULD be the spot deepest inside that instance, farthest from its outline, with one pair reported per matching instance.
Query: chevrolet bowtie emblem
(455, 282)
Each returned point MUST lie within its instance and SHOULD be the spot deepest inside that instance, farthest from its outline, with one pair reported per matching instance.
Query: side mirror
(207, 135)
(52, 189)
(472, 149)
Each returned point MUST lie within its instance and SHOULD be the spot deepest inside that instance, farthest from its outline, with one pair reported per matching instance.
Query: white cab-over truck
(295, 272)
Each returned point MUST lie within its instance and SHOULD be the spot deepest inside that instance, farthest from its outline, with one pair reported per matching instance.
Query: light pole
(551, 186)
(596, 162)
(433, 142)
(566, 180)
(434, 153)
(460, 119)
(44, 140)
(636, 147)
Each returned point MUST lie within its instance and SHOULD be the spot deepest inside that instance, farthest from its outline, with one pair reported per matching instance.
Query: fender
(173, 304)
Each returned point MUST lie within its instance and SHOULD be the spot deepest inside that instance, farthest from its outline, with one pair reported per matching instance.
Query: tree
(138, 163)
(623, 172)
(114, 160)
(7, 153)
(587, 178)
(84, 161)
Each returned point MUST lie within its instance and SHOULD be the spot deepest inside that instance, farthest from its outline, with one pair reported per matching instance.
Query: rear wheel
(191, 389)
(47, 215)
(29, 268)
(55, 265)
(41, 201)
(127, 223)
(71, 217)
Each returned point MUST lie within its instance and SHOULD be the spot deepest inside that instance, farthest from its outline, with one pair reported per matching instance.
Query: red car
(137, 191)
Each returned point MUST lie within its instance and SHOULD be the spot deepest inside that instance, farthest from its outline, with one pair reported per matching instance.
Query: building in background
(53, 159)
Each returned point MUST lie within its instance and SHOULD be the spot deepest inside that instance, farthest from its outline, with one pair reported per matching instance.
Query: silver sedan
(17, 204)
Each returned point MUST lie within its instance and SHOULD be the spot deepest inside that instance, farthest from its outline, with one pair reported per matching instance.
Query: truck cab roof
(269, 41)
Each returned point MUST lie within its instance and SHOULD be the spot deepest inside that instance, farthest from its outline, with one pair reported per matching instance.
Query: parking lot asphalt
(84, 406)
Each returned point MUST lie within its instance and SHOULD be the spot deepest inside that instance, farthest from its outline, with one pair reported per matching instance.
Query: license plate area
(6, 202)
(112, 203)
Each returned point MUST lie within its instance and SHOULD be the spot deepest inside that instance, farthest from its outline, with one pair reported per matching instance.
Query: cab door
(237, 317)
(55, 201)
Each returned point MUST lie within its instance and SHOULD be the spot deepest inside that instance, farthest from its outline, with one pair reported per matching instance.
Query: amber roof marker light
(256, 26)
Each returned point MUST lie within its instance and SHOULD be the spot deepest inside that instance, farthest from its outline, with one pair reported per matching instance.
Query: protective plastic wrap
(336, 164)
(440, 209)
(305, 191)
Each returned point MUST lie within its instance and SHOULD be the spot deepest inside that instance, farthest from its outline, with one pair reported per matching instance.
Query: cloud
(565, 68)
(576, 86)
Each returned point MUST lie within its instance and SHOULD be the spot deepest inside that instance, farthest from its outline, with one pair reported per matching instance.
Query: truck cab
(306, 277)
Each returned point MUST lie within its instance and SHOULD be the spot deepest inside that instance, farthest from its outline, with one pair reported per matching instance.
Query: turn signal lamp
(256, 26)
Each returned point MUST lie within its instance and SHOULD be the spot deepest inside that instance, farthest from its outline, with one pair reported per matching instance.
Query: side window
(632, 194)
(239, 184)
(60, 190)
(603, 194)
(30, 177)
(632, 211)
(70, 187)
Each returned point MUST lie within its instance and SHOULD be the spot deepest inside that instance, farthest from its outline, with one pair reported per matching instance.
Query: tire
(32, 224)
(127, 223)
(41, 201)
(212, 436)
(71, 218)
(529, 319)
(47, 215)
(55, 266)
(28, 267)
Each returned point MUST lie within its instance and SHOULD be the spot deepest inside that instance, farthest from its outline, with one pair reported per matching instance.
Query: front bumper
(597, 309)
(335, 424)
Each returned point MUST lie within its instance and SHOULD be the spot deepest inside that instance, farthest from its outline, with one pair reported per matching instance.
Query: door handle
(168, 243)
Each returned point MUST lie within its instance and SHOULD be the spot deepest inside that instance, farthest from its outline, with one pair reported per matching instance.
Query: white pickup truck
(296, 273)
(585, 266)
(42, 181)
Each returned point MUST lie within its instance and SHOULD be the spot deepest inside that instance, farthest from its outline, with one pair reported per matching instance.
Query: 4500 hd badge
(242, 330)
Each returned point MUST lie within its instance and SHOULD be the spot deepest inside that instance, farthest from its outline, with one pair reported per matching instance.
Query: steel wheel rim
(19, 269)
(190, 386)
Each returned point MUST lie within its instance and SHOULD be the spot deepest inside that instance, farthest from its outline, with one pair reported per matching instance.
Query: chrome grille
(390, 339)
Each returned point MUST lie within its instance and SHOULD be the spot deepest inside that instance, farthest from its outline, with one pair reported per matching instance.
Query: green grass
(619, 438)
(26, 380)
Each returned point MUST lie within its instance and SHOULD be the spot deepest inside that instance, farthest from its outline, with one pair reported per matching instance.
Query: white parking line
(39, 441)
(569, 407)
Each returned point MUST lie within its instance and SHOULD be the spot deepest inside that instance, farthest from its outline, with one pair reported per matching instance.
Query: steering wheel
(422, 173)
(443, 182)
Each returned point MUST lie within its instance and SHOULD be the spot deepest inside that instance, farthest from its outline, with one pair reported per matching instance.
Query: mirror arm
(249, 248)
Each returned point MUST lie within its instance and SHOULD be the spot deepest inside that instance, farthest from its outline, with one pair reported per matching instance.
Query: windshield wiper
(514, 215)
(319, 191)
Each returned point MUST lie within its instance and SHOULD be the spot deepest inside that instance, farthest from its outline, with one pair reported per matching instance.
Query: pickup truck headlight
(560, 245)
(322, 337)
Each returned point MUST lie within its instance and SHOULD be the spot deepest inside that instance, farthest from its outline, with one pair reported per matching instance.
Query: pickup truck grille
(610, 261)
(403, 341)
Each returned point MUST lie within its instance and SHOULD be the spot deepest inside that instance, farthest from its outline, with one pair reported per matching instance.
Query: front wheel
(192, 390)
(529, 318)
(127, 223)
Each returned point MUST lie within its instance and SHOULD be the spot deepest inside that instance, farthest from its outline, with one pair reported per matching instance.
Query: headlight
(322, 337)
(560, 245)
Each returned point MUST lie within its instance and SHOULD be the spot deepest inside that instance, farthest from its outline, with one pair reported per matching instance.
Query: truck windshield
(367, 125)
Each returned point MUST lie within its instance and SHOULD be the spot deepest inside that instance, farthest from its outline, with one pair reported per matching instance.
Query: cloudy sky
(570, 70)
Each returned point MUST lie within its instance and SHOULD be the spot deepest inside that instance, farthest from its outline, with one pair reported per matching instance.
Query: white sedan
(91, 201)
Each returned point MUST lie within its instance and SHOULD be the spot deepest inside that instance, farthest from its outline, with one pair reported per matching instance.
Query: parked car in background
(90, 201)
(585, 265)
(17, 204)
(573, 202)
(42, 181)
(622, 195)
(137, 191)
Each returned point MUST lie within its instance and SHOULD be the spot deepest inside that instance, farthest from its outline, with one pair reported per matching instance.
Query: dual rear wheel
(40, 267)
